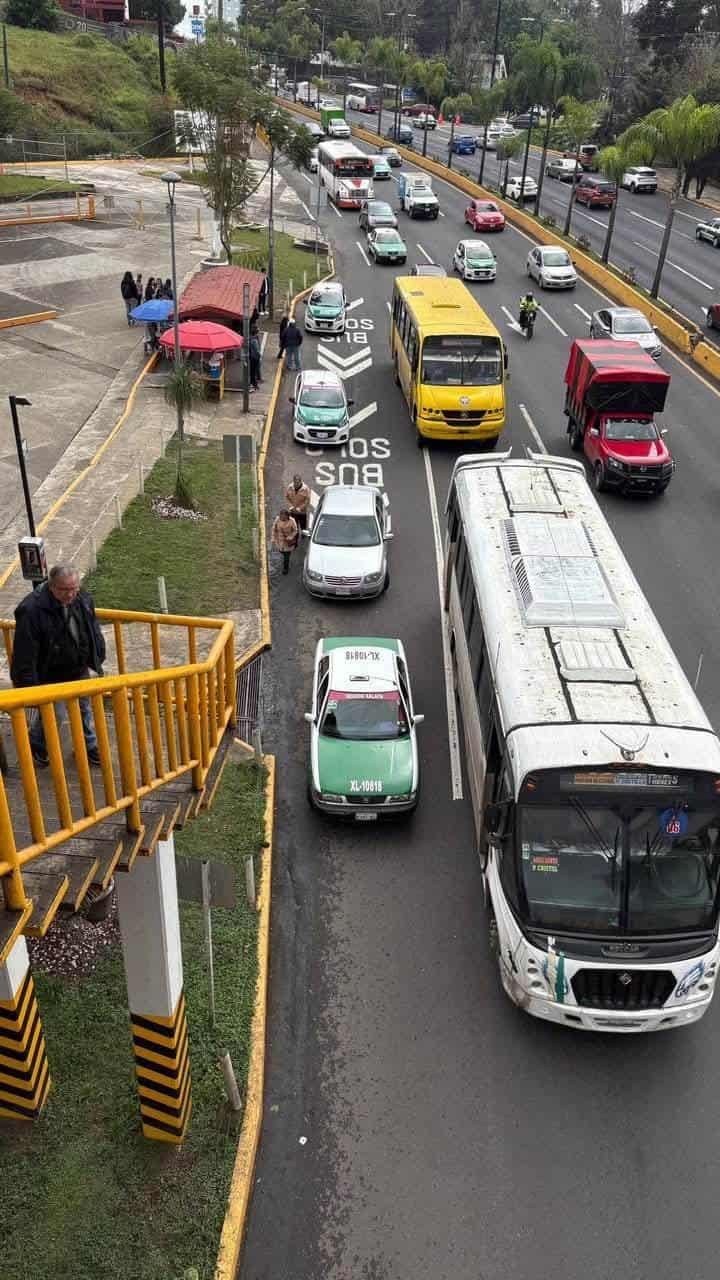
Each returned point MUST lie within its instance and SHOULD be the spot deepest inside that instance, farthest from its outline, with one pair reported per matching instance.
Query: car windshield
(486, 206)
(462, 361)
(365, 717)
(323, 397)
(620, 429)
(387, 237)
(631, 324)
(346, 531)
(476, 249)
(326, 298)
(555, 258)
(379, 210)
(624, 867)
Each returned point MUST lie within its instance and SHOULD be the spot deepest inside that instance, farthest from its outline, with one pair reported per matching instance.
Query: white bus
(594, 772)
(346, 172)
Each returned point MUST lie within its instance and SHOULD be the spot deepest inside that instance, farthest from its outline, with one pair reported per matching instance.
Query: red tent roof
(217, 294)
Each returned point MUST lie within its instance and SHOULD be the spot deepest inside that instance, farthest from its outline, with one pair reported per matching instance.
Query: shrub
(548, 220)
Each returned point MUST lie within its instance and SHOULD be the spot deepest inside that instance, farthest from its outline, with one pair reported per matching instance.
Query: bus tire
(599, 478)
(576, 439)
(489, 444)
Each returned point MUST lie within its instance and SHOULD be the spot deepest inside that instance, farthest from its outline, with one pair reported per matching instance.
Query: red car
(484, 215)
(599, 191)
(712, 316)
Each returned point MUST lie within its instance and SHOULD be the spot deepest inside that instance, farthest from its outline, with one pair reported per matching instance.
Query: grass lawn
(19, 185)
(208, 566)
(85, 1196)
(290, 262)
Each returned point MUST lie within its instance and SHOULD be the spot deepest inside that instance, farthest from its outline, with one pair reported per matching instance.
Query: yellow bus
(449, 359)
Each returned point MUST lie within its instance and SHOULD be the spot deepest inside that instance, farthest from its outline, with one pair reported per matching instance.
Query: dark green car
(386, 245)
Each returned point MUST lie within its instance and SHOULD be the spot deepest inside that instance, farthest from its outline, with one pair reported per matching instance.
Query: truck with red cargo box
(613, 391)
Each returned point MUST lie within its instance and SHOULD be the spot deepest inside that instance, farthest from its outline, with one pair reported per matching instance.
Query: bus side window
(461, 567)
(412, 347)
(476, 645)
(485, 698)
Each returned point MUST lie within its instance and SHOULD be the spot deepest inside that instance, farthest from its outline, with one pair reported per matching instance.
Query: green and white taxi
(321, 408)
(326, 307)
(363, 746)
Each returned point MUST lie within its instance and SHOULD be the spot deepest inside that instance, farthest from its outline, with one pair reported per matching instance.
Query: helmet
(529, 297)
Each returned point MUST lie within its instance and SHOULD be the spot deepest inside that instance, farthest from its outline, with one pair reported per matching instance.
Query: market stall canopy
(217, 295)
(202, 335)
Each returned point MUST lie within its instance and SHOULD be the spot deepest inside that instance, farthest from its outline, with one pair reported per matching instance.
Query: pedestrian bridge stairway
(164, 714)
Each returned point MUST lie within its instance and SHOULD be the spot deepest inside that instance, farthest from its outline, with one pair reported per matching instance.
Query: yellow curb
(233, 1230)
(36, 318)
(60, 502)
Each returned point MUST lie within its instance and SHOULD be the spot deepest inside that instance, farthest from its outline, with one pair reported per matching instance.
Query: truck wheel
(661, 489)
(575, 437)
(599, 477)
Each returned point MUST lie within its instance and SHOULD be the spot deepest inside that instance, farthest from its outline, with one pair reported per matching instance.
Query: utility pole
(6, 63)
(161, 45)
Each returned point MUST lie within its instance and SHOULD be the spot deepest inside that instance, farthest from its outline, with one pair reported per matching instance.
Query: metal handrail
(179, 714)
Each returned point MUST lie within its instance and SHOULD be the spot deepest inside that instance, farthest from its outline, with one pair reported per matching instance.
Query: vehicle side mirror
(350, 402)
(309, 717)
(388, 536)
(418, 719)
(305, 533)
(594, 431)
(291, 399)
(492, 817)
(664, 431)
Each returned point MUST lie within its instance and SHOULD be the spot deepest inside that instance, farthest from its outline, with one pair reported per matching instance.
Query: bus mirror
(594, 431)
(492, 816)
(506, 359)
(309, 717)
(418, 719)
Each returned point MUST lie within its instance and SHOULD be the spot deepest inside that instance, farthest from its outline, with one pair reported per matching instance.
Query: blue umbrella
(153, 310)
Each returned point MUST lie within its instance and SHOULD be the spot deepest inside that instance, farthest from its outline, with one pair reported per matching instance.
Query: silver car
(625, 324)
(552, 267)
(347, 543)
(709, 231)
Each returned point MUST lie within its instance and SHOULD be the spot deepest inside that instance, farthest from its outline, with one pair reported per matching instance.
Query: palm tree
(431, 74)
(680, 133)
(184, 390)
(401, 66)
(613, 162)
(576, 74)
(509, 148)
(349, 52)
(453, 107)
(297, 48)
(578, 125)
(381, 52)
(535, 67)
(487, 104)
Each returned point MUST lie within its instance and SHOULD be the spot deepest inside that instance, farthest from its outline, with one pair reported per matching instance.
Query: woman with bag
(130, 296)
(284, 536)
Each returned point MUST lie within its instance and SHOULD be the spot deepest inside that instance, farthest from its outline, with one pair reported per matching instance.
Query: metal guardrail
(152, 727)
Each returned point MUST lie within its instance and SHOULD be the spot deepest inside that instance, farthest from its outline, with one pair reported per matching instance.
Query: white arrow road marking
(362, 414)
(553, 322)
(425, 253)
(334, 208)
(453, 735)
(532, 428)
(310, 215)
(362, 252)
(512, 321)
(582, 310)
(360, 353)
(357, 302)
(344, 373)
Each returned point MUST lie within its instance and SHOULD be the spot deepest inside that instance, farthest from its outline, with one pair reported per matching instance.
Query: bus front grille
(463, 417)
(622, 988)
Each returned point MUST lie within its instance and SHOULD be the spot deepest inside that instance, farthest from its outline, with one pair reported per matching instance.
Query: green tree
(12, 111)
(506, 151)
(487, 103)
(679, 134)
(184, 390)
(431, 74)
(173, 11)
(39, 15)
(454, 107)
(293, 141)
(535, 67)
(578, 126)
(380, 54)
(348, 51)
(613, 162)
(298, 50)
(401, 69)
(572, 74)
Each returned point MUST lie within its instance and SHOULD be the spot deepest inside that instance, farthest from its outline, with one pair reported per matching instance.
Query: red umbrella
(202, 335)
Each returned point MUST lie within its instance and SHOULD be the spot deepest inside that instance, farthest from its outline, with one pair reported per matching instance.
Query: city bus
(594, 773)
(449, 360)
(346, 172)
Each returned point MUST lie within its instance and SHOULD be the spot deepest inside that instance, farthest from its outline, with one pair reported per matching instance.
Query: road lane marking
(511, 320)
(363, 252)
(345, 362)
(532, 429)
(453, 739)
(357, 302)
(334, 209)
(553, 322)
(442, 215)
(425, 254)
(642, 218)
(342, 373)
(582, 310)
(387, 304)
(362, 414)
(580, 213)
(670, 263)
(307, 179)
(310, 215)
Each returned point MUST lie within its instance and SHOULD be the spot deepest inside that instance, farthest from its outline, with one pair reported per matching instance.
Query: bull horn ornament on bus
(627, 750)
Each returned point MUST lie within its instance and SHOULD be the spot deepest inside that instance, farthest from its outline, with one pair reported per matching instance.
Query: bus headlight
(693, 977)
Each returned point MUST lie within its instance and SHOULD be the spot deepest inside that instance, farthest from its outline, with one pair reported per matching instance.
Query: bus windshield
(353, 167)
(461, 361)
(620, 867)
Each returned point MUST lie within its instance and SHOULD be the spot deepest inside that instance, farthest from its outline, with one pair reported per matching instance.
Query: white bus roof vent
(557, 576)
(593, 660)
(531, 489)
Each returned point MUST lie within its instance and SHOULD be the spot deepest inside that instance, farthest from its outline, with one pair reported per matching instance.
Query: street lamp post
(172, 179)
(14, 402)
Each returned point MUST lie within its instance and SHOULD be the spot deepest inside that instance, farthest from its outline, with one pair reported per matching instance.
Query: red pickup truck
(613, 391)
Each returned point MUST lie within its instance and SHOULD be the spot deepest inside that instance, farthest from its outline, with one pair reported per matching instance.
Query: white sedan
(312, 163)
(347, 547)
(552, 267)
(515, 187)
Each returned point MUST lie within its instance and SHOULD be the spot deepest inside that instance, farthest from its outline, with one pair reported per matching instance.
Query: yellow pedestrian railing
(152, 726)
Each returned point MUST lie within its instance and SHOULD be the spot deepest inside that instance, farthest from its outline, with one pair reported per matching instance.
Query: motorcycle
(527, 322)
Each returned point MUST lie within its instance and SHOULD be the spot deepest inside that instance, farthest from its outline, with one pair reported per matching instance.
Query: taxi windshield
(476, 249)
(322, 398)
(325, 298)
(365, 717)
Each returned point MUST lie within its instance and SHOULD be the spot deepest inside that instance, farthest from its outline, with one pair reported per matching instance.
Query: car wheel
(709, 319)
(529, 272)
(386, 583)
(575, 438)
(698, 236)
(599, 478)
(541, 281)
(661, 489)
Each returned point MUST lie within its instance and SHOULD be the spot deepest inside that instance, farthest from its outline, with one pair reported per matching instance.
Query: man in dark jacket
(291, 341)
(57, 638)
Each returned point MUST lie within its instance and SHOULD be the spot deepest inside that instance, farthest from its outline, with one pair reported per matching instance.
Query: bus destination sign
(621, 780)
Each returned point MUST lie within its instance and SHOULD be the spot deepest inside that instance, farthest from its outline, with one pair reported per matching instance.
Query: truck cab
(416, 196)
(611, 400)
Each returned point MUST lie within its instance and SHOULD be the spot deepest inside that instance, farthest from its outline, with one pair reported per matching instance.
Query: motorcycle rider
(528, 307)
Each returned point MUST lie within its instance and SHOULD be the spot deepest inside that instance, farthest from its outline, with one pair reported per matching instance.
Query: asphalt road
(691, 279)
(416, 1124)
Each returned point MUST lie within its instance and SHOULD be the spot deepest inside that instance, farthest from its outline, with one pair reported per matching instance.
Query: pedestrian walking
(130, 296)
(167, 290)
(150, 289)
(139, 283)
(281, 334)
(255, 353)
(57, 639)
(284, 536)
(297, 496)
(291, 342)
(263, 293)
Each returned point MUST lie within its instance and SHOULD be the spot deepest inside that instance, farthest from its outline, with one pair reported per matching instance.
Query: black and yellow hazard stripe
(162, 1062)
(24, 1072)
